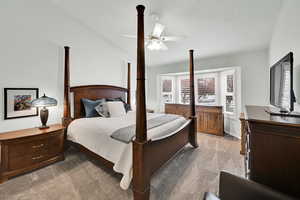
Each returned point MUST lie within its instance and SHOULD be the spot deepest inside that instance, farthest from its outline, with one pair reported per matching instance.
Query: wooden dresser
(272, 153)
(29, 149)
(210, 118)
(243, 133)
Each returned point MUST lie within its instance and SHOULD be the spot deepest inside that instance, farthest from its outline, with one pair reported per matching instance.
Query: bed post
(141, 176)
(141, 131)
(128, 85)
(67, 112)
(193, 129)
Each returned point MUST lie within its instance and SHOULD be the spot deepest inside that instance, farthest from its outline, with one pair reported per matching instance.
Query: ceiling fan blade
(135, 37)
(171, 38)
(130, 36)
(158, 29)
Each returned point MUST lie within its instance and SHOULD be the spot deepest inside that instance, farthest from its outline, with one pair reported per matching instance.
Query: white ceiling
(211, 27)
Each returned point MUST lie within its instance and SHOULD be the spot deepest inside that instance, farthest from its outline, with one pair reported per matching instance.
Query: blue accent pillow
(89, 107)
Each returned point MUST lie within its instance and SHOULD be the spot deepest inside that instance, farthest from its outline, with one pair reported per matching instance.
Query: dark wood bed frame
(148, 155)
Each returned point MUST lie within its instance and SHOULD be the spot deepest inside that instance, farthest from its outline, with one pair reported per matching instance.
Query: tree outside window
(167, 90)
(206, 90)
(184, 91)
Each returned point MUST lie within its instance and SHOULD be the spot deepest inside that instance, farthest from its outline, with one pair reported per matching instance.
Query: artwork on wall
(17, 102)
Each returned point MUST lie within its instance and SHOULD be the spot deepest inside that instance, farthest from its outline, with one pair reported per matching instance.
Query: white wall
(254, 68)
(33, 33)
(286, 38)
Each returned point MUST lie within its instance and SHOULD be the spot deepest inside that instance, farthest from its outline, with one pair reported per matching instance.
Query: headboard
(94, 92)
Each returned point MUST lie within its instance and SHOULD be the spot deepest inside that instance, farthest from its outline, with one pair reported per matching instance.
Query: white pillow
(116, 108)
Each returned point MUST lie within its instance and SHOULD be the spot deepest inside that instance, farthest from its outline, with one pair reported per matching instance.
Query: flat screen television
(281, 85)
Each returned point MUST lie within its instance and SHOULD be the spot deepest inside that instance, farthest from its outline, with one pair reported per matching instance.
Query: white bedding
(94, 134)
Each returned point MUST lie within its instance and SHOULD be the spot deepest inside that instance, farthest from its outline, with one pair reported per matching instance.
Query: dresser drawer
(25, 148)
(26, 161)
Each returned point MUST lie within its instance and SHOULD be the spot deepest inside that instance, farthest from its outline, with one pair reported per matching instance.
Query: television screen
(281, 76)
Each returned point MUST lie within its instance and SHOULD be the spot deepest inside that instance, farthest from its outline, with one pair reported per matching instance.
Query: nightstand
(28, 149)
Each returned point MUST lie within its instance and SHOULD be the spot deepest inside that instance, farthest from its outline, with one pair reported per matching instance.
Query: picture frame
(17, 102)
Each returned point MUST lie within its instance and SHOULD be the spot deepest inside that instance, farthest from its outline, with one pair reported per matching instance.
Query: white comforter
(94, 134)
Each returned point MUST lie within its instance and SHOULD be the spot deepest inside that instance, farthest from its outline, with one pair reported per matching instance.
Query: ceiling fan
(156, 40)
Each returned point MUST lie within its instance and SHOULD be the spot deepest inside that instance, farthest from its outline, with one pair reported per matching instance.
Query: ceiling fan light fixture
(158, 29)
(156, 41)
(154, 45)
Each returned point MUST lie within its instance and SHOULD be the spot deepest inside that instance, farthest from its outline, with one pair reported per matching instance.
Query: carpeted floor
(186, 177)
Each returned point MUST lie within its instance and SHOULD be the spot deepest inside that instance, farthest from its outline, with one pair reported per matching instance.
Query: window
(206, 90)
(229, 80)
(184, 89)
(211, 89)
(229, 93)
(167, 92)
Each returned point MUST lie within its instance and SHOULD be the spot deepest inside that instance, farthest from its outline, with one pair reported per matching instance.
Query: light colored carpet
(187, 176)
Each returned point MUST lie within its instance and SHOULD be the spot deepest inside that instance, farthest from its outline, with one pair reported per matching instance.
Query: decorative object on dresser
(210, 118)
(25, 150)
(44, 102)
(272, 150)
(17, 102)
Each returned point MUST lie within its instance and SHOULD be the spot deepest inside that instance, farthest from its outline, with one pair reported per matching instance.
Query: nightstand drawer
(26, 161)
(25, 148)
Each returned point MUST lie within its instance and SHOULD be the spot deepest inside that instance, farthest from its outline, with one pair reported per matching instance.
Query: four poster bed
(150, 148)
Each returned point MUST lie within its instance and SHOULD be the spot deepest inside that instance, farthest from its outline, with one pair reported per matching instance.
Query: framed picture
(17, 102)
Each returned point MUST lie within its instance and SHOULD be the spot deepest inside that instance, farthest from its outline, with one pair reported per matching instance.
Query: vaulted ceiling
(211, 27)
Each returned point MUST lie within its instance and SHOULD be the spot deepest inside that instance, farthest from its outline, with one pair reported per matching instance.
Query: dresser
(25, 150)
(272, 150)
(210, 119)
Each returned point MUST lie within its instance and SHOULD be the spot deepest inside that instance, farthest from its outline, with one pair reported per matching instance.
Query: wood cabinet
(29, 149)
(178, 109)
(210, 119)
(272, 150)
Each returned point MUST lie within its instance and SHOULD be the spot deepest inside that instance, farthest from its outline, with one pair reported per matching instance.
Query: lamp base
(43, 127)
(44, 118)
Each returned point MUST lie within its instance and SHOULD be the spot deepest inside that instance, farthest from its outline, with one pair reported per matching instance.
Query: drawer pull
(37, 157)
(37, 146)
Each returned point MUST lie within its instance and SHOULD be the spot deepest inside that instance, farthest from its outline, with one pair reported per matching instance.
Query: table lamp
(44, 102)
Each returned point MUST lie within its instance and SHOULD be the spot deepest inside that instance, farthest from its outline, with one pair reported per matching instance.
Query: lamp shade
(44, 101)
